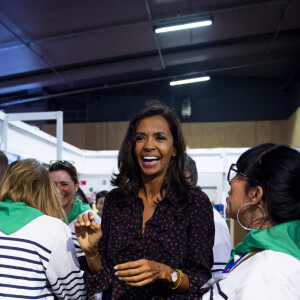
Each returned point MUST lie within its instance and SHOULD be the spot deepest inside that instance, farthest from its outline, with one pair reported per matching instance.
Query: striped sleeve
(22, 269)
(63, 272)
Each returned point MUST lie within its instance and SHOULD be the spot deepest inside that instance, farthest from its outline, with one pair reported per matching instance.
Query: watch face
(174, 276)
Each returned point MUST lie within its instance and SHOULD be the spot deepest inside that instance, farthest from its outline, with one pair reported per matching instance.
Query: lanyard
(232, 264)
(236, 263)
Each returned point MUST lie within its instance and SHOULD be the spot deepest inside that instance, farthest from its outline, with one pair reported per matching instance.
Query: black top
(183, 243)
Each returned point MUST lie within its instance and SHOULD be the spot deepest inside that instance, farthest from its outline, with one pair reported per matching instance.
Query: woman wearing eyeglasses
(157, 229)
(37, 255)
(264, 198)
(65, 177)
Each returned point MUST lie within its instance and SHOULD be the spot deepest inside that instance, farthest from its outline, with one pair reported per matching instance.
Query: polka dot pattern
(183, 242)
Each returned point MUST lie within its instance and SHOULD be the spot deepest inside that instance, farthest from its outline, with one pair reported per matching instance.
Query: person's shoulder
(45, 230)
(283, 267)
(198, 202)
(112, 197)
(277, 260)
(270, 268)
(50, 221)
(113, 193)
(271, 265)
(261, 273)
(196, 195)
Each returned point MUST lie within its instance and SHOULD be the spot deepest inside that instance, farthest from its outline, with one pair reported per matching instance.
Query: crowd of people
(37, 253)
(156, 235)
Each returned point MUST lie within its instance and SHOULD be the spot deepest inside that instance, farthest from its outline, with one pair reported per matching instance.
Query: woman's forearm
(94, 262)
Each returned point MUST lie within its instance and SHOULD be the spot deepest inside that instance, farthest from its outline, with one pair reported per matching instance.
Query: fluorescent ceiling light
(183, 26)
(191, 80)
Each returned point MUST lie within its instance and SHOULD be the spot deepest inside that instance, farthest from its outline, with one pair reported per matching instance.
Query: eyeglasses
(52, 162)
(233, 172)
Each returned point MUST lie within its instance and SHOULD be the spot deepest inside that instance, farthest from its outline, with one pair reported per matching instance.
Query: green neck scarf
(284, 237)
(15, 215)
(77, 209)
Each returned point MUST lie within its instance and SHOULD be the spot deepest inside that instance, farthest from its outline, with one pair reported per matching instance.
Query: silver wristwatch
(174, 276)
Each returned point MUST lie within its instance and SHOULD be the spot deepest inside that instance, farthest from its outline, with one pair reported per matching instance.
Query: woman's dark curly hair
(129, 178)
(276, 168)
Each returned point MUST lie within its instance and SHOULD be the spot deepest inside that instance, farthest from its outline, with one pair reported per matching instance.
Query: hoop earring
(246, 228)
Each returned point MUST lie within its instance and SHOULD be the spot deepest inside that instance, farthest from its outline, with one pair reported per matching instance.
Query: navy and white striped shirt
(39, 262)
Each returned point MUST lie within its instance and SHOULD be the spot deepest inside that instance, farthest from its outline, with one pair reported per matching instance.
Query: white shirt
(222, 245)
(267, 275)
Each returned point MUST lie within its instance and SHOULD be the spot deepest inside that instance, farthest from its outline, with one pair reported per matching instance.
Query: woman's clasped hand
(140, 272)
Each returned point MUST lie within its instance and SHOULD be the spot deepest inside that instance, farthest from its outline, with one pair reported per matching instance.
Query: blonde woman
(37, 254)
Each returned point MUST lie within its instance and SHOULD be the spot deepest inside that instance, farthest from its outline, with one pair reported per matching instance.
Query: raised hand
(142, 272)
(88, 233)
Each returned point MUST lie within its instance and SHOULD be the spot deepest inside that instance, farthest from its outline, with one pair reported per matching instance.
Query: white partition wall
(7, 122)
(98, 169)
(212, 166)
(28, 141)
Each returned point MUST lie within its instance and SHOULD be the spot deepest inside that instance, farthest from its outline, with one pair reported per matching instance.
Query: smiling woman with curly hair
(157, 232)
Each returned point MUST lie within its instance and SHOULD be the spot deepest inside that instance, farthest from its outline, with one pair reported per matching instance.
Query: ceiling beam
(279, 26)
(40, 56)
(155, 36)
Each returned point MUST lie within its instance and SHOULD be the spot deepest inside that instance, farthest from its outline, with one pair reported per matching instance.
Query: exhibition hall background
(225, 112)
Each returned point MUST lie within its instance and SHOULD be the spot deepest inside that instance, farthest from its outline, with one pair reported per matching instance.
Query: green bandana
(15, 215)
(77, 209)
(284, 237)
